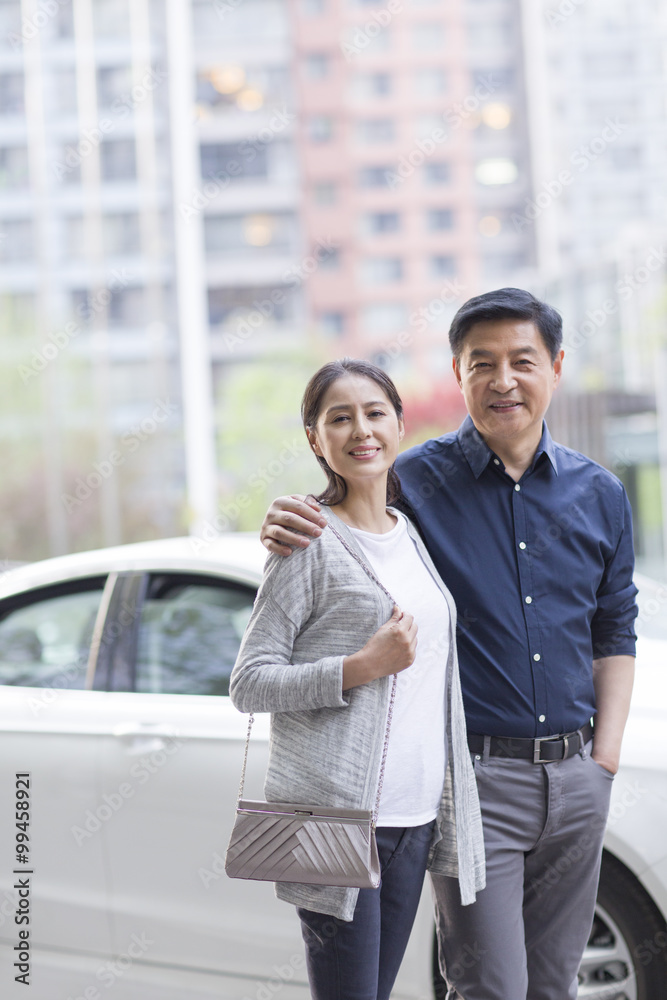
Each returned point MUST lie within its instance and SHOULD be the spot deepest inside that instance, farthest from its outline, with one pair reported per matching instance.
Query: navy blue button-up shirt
(541, 572)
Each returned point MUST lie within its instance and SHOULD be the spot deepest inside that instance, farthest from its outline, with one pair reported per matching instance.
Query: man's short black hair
(507, 303)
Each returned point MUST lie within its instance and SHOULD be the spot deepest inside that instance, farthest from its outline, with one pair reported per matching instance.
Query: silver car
(120, 758)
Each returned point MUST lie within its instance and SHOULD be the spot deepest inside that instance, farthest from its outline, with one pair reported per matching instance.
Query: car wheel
(626, 954)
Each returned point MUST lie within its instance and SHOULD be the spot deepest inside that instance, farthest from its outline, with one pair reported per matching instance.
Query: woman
(319, 652)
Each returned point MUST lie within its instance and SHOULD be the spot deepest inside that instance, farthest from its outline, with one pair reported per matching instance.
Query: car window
(45, 636)
(189, 635)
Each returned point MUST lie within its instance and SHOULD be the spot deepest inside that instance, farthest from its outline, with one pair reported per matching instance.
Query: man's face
(507, 379)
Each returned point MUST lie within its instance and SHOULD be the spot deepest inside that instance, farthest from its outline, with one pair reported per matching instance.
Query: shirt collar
(478, 453)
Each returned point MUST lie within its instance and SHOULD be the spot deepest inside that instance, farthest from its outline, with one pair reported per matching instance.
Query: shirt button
(529, 600)
(496, 461)
(522, 545)
(477, 757)
(517, 487)
(536, 656)
(542, 718)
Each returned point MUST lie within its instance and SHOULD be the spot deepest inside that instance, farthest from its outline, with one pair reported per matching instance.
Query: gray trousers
(524, 936)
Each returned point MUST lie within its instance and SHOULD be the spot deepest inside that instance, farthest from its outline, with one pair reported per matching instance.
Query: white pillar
(195, 360)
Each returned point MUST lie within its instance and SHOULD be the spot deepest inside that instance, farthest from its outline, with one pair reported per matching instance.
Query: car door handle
(145, 737)
(144, 729)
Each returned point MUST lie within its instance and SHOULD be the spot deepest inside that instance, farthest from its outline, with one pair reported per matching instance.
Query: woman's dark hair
(311, 406)
(507, 303)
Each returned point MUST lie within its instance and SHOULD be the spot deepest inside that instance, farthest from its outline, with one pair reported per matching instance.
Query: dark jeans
(359, 959)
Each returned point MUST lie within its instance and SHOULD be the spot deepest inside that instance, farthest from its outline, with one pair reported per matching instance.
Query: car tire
(626, 954)
(627, 948)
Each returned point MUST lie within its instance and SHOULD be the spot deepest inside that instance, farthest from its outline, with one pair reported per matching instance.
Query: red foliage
(442, 408)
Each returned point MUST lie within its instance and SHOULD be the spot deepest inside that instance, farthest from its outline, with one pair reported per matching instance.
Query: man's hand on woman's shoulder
(291, 520)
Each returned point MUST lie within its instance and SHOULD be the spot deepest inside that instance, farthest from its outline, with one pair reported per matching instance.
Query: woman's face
(358, 430)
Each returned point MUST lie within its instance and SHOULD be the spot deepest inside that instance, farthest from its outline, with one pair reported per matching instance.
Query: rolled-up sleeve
(612, 628)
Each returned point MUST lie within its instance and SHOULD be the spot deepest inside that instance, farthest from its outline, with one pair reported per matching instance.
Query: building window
(13, 168)
(437, 173)
(430, 81)
(229, 234)
(64, 20)
(329, 260)
(320, 128)
(488, 34)
(11, 94)
(497, 79)
(73, 242)
(234, 161)
(442, 266)
(227, 306)
(358, 44)
(63, 91)
(117, 160)
(325, 193)
(626, 157)
(331, 324)
(379, 223)
(119, 306)
(376, 130)
(428, 36)
(374, 177)
(127, 307)
(438, 219)
(367, 86)
(316, 65)
(384, 317)
(113, 83)
(16, 240)
(120, 234)
(311, 8)
(612, 64)
(112, 19)
(381, 270)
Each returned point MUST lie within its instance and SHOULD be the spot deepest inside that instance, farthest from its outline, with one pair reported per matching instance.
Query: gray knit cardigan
(313, 609)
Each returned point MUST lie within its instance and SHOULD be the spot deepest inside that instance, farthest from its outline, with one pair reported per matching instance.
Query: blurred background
(203, 200)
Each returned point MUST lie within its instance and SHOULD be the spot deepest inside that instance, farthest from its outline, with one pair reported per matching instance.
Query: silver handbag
(309, 844)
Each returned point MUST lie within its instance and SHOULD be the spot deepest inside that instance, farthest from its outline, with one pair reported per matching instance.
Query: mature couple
(530, 544)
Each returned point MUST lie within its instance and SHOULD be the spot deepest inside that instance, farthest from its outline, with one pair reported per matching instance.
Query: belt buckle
(537, 743)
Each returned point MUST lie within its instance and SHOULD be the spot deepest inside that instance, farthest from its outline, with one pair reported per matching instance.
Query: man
(535, 543)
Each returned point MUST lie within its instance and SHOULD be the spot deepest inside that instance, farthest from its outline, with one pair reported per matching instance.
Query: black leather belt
(542, 750)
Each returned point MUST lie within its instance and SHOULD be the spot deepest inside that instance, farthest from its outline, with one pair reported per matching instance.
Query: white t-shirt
(416, 756)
